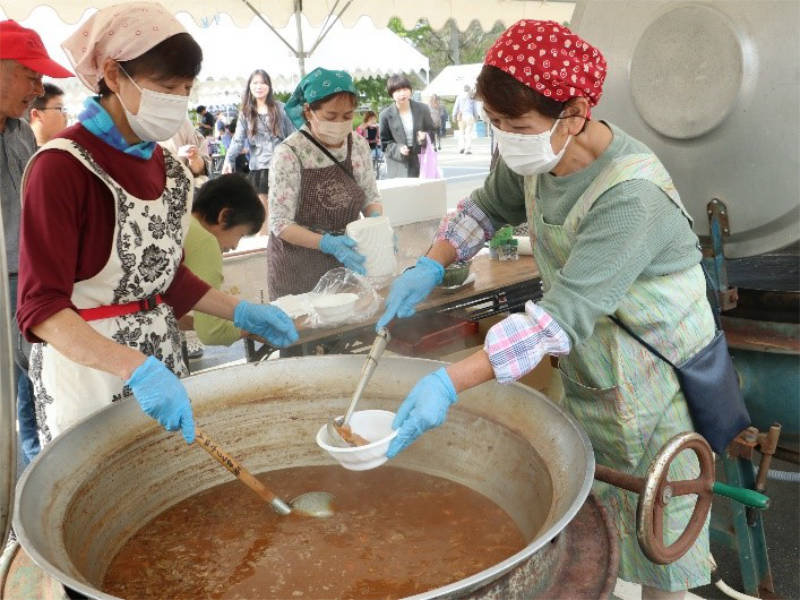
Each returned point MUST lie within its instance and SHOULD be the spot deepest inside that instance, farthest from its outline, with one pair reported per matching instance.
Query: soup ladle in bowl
(375, 353)
(310, 504)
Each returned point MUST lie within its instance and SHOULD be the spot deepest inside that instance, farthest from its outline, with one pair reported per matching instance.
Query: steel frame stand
(744, 531)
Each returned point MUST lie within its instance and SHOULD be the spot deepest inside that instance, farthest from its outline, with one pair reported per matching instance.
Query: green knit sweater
(632, 231)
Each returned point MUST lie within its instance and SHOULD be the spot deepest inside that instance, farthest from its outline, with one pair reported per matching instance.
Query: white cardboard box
(410, 199)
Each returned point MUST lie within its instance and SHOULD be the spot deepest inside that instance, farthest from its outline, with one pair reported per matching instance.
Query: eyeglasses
(62, 109)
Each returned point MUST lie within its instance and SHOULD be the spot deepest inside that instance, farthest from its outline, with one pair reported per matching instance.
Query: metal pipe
(732, 593)
(619, 479)
(263, 20)
(324, 31)
(788, 476)
(301, 55)
(8, 399)
(767, 444)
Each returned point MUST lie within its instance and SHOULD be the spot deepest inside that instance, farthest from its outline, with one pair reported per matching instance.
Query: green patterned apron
(628, 401)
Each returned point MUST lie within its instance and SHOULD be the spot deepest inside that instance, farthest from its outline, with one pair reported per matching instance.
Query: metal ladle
(310, 504)
(375, 352)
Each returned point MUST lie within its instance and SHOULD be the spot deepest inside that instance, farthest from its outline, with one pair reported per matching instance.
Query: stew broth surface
(396, 532)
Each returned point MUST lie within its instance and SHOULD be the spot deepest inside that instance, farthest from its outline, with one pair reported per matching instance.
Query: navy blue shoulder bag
(710, 385)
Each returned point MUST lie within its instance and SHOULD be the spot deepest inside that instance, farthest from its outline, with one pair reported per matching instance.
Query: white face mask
(333, 132)
(529, 154)
(160, 115)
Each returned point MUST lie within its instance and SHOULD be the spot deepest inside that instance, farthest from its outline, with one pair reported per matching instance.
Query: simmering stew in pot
(396, 532)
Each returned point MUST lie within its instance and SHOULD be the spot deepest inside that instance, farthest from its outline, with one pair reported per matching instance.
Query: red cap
(25, 46)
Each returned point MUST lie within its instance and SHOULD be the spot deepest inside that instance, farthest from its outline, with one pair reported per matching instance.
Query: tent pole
(327, 26)
(263, 20)
(301, 55)
(455, 43)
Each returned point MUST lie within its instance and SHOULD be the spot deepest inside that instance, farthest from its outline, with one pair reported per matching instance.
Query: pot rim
(477, 580)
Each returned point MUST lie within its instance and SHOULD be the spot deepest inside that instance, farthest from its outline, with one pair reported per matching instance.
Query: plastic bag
(342, 296)
(429, 162)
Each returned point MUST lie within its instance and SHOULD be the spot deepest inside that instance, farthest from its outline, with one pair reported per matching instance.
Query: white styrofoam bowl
(375, 239)
(374, 426)
(334, 307)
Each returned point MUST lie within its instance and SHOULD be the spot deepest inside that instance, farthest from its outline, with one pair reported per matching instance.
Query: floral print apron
(329, 200)
(628, 401)
(145, 254)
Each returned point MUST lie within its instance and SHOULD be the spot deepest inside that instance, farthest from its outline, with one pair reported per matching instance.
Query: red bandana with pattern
(549, 58)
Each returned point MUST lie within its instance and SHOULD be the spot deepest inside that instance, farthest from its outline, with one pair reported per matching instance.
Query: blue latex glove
(341, 248)
(163, 397)
(411, 288)
(266, 321)
(424, 408)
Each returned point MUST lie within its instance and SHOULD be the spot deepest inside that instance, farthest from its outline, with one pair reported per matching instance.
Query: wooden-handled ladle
(311, 504)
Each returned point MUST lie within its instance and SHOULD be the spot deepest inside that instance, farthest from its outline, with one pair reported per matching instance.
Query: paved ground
(463, 172)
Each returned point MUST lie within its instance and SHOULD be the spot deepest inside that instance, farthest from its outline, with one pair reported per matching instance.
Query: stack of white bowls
(375, 238)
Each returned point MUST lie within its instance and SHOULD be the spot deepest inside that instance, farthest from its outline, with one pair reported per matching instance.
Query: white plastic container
(408, 200)
(374, 426)
(334, 308)
(375, 238)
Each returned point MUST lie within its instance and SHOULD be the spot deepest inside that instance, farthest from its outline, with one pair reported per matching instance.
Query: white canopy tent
(318, 12)
(452, 79)
(364, 51)
(231, 53)
(310, 47)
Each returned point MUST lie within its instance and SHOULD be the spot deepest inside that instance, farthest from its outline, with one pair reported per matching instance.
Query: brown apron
(329, 200)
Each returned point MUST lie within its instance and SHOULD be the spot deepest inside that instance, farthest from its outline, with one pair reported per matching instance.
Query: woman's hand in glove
(342, 247)
(163, 397)
(411, 288)
(424, 408)
(266, 321)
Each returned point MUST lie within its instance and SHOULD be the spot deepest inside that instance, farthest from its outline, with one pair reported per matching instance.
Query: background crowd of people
(242, 138)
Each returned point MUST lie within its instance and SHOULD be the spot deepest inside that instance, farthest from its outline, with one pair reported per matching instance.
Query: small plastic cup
(508, 251)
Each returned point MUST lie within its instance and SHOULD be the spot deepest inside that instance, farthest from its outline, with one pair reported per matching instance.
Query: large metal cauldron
(94, 486)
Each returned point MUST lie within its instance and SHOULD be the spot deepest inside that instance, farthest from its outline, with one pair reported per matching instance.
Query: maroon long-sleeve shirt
(68, 225)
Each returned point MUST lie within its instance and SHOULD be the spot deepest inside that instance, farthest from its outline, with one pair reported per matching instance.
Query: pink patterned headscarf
(120, 32)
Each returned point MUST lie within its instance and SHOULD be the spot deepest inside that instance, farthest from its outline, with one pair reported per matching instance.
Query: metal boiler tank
(713, 88)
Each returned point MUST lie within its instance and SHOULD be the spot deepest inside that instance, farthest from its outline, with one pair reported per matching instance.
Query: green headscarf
(317, 85)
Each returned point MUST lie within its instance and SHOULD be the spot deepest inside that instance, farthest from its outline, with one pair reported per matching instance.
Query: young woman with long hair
(263, 123)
